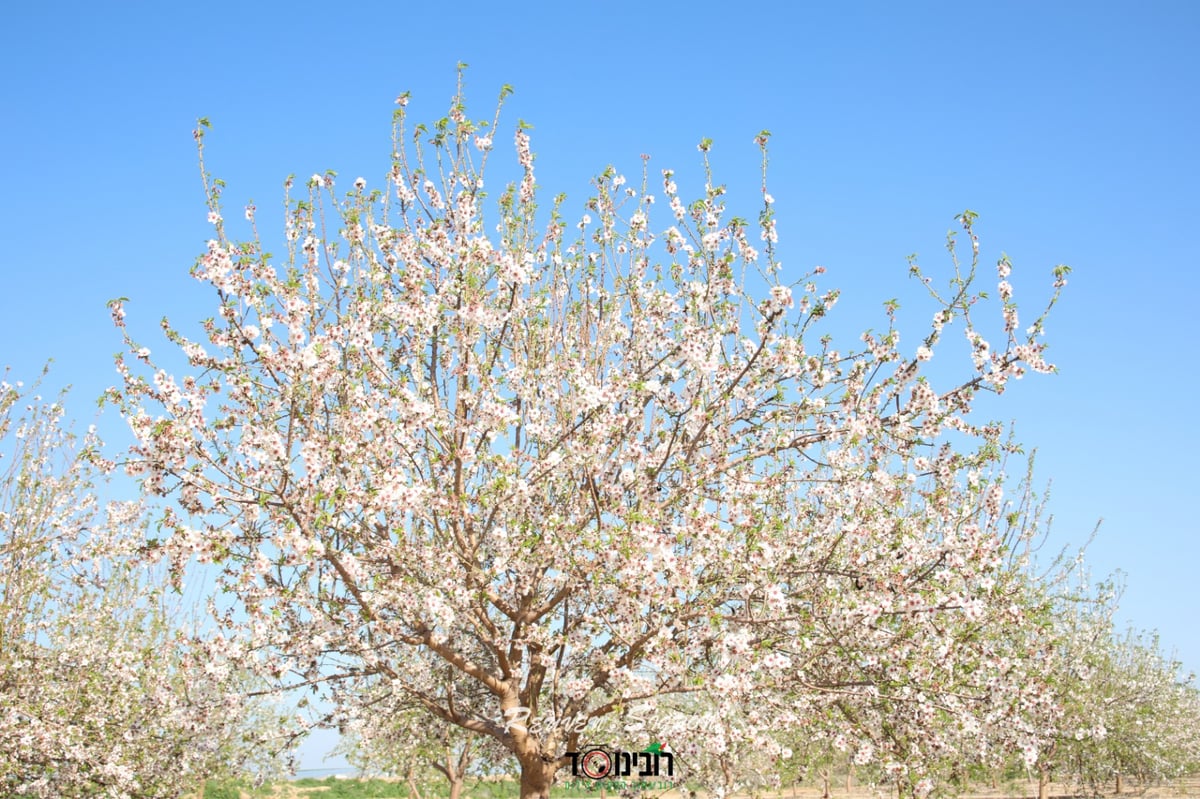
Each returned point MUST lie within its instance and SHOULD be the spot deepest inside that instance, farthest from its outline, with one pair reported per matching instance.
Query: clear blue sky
(1070, 127)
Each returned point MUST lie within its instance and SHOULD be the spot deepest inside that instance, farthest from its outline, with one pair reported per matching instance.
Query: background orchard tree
(1150, 712)
(399, 737)
(1075, 656)
(100, 694)
(725, 748)
(582, 464)
(1115, 705)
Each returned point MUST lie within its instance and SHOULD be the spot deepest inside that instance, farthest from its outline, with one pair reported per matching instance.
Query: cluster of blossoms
(487, 476)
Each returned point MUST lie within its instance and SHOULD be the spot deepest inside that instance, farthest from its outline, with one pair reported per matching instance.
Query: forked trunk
(454, 768)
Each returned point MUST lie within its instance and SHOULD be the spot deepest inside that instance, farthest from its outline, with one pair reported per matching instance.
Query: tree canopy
(528, 473)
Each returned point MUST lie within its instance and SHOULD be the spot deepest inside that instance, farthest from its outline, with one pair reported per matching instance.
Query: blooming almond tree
(99, 696)
(1153, 709)
(1126, 708)
(579, 465)
(406, 741)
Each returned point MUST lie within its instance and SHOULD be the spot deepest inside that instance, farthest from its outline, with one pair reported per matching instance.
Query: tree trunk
(727, 776)
(1118, 782)
(413, 791)
(536, 778)
(454, 769)
(1043, 784)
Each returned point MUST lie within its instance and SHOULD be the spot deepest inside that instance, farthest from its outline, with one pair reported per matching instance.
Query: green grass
(354, 789)
(234, 789)
(371, 788)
